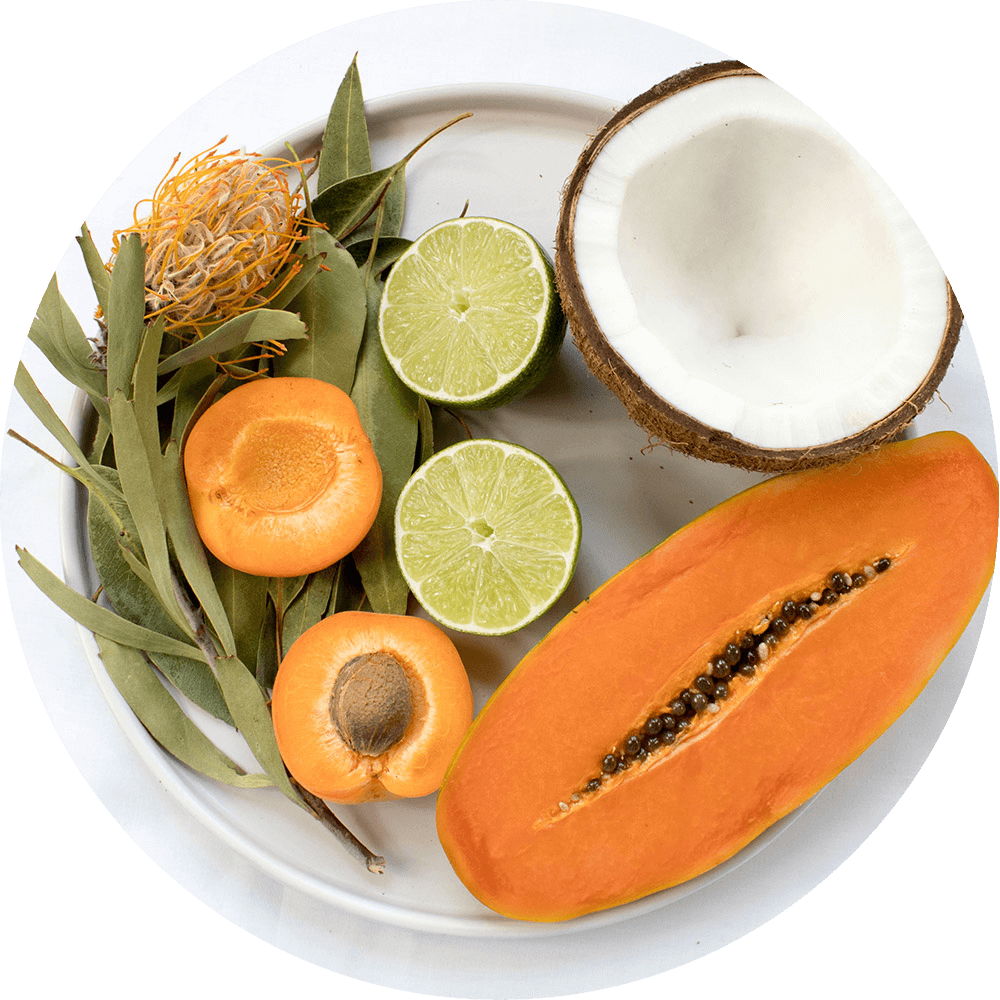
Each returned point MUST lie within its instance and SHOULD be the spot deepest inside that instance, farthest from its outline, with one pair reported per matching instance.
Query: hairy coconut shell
(665, 423)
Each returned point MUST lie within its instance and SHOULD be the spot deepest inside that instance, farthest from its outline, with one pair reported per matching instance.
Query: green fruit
(487, 536)
(470, 316)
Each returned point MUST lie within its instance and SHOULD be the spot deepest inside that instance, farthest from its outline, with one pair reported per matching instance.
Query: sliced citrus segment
(487, 536)
(470, 316)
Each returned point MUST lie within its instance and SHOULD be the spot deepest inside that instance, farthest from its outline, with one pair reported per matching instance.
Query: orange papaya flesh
(515, 816)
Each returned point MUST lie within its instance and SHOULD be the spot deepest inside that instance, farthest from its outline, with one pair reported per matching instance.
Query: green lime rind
(487, 536)
(470, 316)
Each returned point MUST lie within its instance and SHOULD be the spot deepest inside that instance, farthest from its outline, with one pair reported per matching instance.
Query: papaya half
(719, 681)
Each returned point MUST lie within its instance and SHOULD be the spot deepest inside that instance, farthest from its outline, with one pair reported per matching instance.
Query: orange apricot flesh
(309, 717)
(281, 476)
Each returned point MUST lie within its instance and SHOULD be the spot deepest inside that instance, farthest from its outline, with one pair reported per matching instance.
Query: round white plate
(253, 856)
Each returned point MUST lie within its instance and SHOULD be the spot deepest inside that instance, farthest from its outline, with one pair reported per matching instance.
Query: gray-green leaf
(253, 719)
(126, 312)
(251, 327)
(333, 308)
(100, 620)
(159, 712)
(112, 533)
(345, 151)
(388, 411)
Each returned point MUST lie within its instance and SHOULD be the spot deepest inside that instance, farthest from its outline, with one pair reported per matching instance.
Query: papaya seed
(371, 704)
(740, 659)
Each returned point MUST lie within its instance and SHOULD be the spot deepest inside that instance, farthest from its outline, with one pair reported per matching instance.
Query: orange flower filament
(217, 233)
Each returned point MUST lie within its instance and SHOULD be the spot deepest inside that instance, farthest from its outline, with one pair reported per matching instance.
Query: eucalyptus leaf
(309, 606)
(346, 204)
(251, 327)
(348, 593)
(266, 667)
(141, 477)
(198, 386)
(126, 313)
(345, 151)
(42, 409)
(388, 412)
(253, 719)
(56, 332)
(99, 276)
(100, 620)
(189, 550)
(392, 213)
(144, 389)
(244, 598)
(166, 722)
(425, 428)
(282, 288)
(333, 307)
(388, 250)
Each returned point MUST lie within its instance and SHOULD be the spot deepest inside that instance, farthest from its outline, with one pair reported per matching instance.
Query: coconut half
(745, 282)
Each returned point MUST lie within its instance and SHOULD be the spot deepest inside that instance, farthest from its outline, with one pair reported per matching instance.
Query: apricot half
(281, 476)
(370, 706)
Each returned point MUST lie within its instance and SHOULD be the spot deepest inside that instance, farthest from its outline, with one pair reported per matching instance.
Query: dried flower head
(216, 235)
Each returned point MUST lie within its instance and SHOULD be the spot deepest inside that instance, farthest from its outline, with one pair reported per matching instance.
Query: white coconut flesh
(756, 273)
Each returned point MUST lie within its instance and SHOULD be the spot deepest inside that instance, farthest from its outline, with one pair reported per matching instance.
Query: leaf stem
(373, 862)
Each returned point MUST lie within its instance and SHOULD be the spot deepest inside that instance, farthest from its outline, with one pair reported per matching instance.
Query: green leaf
(159, 712)
(198, 386)
(41, 408)
(346, 204)
(189, 550)
(56, 332)
(282, 289)
(425, 427)
(387, 252)
(249, 709)
(266, 668)
(251, 327)
(244, 599)
(348, 593)
(345, 151)
(126, 312)
(100, 620)
(388, 411)
(142, 483)
(333, 308)
(392, 216)
(99, 276)
(309, 606)
(144, 389)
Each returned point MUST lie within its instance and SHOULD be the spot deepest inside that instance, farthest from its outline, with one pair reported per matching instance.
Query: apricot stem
(373, 862)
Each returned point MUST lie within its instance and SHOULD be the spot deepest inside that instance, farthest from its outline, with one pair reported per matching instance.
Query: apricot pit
(370, 706)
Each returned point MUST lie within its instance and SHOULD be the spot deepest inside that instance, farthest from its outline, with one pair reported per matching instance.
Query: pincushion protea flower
(216, 235)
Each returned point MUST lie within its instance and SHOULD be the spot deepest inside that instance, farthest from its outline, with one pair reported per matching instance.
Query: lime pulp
(487, 536)
(470, 316)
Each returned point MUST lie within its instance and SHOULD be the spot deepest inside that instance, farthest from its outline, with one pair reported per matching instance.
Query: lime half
(470, 316)
(487, 536)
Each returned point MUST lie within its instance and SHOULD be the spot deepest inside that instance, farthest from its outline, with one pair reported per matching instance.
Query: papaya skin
(322, 757)
(821, 698)
(282, 479)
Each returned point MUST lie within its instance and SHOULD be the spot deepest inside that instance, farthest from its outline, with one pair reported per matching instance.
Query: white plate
(508, 160)
(253, 856)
